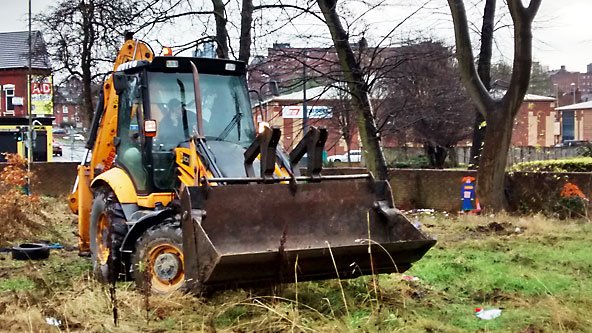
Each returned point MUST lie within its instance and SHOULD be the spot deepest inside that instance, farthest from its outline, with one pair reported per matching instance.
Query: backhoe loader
(180, 189)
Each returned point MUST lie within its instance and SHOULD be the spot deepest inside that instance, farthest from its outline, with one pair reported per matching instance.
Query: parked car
(355, 156)
(76, 137)
(573, 143)
(59, 132)
(57, 149)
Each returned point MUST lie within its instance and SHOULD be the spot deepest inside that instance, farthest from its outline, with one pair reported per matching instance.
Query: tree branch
(464, 54)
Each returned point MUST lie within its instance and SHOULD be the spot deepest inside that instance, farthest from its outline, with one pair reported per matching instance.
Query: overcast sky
(562, 35)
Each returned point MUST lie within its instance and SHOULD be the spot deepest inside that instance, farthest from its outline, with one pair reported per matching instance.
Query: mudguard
(120, 182)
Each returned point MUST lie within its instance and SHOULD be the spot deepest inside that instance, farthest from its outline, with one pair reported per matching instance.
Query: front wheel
(158, 262)
(107, 231)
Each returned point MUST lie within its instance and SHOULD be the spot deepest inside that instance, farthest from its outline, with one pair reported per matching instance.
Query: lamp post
(304, 108)
(274, 91)
(573, 86)
(30, 134)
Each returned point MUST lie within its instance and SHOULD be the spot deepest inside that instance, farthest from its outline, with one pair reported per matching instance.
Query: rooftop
(15, 49)
(577, 106)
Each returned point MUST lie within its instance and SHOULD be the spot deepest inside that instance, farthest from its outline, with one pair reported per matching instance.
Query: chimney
(562, 67)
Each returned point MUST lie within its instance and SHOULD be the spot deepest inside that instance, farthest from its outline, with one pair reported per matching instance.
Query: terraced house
(15, 92)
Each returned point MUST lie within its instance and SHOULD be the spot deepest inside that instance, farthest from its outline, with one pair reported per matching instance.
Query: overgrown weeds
(22, 214)
(537, 269)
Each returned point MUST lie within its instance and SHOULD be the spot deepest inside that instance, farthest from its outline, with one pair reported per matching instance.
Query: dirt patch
(495, 296)
(502, 229)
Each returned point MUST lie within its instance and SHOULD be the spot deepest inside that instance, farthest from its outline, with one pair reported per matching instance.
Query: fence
(515, 155)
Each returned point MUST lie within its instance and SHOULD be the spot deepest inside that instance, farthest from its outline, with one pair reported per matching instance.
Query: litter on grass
(487, 314)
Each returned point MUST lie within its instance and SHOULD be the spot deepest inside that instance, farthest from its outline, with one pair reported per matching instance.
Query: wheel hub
(167, 266)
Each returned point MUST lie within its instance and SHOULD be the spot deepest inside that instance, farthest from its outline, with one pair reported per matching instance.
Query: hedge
(577, 164)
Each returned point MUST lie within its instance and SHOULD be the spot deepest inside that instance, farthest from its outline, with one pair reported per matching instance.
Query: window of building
(568, 125)
(65, 119)
(8, 95)
(65, 109)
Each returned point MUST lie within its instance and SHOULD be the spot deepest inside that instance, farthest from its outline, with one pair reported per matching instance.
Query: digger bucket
(253, 234)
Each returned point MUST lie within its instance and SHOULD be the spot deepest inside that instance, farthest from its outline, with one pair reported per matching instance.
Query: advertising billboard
(41, 95)
(295, 112)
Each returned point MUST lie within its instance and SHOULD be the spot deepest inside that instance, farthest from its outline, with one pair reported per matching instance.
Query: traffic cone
(477, 209)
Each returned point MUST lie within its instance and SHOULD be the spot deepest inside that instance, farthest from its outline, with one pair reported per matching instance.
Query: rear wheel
(107, 231)
(158, 262)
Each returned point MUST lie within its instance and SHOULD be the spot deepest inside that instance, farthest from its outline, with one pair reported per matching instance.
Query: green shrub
(572, 203)
(419, 162)
(577, 164)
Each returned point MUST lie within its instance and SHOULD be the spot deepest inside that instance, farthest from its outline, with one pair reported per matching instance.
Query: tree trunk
(453, 157)
(221, 32)
(477, 143)
(492, 166)
(358, 88)
(87, 11)
(347, 139)
(244, 52)
(436, 155)
(484, 71)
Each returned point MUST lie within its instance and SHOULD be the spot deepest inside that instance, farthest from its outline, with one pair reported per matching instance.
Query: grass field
(539, 271)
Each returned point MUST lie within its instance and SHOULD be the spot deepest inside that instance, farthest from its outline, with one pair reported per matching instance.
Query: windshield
(225, 108)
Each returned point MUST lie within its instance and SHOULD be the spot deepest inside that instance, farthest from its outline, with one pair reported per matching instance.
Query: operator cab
(163, 93)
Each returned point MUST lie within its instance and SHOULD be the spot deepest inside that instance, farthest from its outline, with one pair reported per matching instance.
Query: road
(72, 151)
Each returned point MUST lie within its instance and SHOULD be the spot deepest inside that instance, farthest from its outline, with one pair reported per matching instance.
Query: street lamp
(573, 85)
(274, 91)
(304, 108)
(30, 109)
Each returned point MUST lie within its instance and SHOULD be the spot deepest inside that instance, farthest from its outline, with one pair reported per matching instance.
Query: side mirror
(150, 128)
(119, 82)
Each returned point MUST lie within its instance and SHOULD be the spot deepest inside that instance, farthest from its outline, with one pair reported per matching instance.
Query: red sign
(41, 88)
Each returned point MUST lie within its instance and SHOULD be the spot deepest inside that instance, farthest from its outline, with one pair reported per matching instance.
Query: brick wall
(440, 189)
(52, 179)
(412, 188)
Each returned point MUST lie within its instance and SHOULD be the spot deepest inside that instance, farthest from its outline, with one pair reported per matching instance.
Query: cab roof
(183, 65)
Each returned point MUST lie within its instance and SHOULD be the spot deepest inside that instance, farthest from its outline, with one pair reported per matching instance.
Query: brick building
(286, 68)
(323, 105)
(67, 104)
(13, 75)
(536, 123)
(576, 121)
(567, 84)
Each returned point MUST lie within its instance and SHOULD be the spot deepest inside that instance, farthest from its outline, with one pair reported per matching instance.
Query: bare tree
(358, 89)
(83, 36)
(221, 29)
(499, 113)
(425, 100)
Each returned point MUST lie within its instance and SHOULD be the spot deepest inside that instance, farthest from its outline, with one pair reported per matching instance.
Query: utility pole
(30, 132)
(304, 111)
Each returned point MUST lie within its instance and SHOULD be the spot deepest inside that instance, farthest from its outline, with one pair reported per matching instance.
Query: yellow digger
(180, 189)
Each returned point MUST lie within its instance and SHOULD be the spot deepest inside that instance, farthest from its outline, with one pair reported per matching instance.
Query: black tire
(30, 251)
(107, 231)
(155, 245)
(337, 160)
